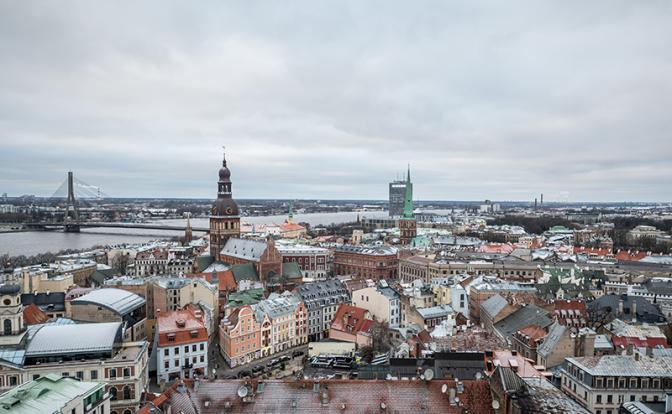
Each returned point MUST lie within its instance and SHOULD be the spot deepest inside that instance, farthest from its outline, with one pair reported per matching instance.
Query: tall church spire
(408, 198)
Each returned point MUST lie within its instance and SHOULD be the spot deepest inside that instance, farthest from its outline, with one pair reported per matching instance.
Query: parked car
(244, 374)
(257, 369)
(285, 358)
(297, 354)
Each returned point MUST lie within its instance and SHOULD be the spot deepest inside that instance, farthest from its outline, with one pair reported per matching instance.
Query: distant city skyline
(485, 100)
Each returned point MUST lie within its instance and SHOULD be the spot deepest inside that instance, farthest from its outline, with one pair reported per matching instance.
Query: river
(31, 243)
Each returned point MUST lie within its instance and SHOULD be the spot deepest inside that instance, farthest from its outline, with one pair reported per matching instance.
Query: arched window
(113, 393)
(127, 412)
(127, 393)
(7, 327)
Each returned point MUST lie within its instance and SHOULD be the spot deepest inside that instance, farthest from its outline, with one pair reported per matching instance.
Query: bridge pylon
(71, 219)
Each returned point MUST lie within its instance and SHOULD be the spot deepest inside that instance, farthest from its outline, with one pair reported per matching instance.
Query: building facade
(366, 262)
(602, 384)
(322, 299)
(181, 344)
(397, 196)
(382, 302)
(313, 261)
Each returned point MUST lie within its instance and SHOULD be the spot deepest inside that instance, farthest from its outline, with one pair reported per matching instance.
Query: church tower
(225, 216)
(408, 227)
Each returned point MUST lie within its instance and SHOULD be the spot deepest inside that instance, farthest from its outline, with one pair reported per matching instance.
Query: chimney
(636, 356)
(649, 352)
(633, 308)
(620, 306)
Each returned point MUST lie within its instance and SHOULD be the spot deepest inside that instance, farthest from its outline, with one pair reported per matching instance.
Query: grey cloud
(485, 99)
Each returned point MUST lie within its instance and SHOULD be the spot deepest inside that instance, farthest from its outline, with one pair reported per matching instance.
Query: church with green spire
(408, 227)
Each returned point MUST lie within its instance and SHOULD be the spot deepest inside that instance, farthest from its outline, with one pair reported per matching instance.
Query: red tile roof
(351, 319)
(630, 256)
(32, 314)
(184, 326)
(638, 342)
(347, 396)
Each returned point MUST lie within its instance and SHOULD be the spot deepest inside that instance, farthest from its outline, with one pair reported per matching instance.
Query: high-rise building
(397, 195)
(225, 216)
(407, 225)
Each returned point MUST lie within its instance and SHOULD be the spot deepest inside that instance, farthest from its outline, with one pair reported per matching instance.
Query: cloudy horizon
(315, 100)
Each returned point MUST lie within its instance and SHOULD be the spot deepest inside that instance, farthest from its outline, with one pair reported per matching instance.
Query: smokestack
(542, 199)
(535, 203)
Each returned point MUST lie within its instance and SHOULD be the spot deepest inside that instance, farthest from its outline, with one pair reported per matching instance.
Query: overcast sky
(331, 99)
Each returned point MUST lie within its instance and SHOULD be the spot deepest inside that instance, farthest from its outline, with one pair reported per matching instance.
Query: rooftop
(360, 396)
(180, 327)
(74, 338)
(625, 365)
(368, 250)
(117, 300)
(47, 394)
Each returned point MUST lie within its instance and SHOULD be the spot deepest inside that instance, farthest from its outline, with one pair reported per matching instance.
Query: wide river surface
(31, 243)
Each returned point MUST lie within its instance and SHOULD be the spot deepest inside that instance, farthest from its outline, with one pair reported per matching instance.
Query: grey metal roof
(435, 311)
(71, 339)
(493, 305)
(625, 365)
(602, 342)
(523, 317)
(277, 305)
(244, 248)
(118, 300)
(551, 341)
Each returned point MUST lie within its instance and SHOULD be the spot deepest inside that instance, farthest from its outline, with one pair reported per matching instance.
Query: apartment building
(603, 383)
(322, 299)
(180, 344)
(383, 302)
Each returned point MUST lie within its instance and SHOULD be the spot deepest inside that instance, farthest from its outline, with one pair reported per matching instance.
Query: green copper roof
(408, 198)
(246, 297)
(49, 394)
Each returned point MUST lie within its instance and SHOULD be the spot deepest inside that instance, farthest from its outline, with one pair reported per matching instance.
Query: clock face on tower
(229, 210)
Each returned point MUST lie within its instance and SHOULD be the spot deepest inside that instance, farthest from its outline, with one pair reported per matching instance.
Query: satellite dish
(242, 391)
(495, 404)
(479, 375)
(429, 374)
(444, 388)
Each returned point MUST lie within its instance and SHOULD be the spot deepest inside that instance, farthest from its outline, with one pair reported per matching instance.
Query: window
(176, 351)
(186, 349)
(599, 399)
(113, 393)
(127, 372)
(127, 393)
(202, 347)
(166, 352)
(193, 348)
(94, 374)
(113, 373)
(610, 399)
(65, 374)
(80, 375)
(166, 364)
(13, 381)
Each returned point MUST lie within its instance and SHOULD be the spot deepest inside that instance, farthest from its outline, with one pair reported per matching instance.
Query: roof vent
(180, 323)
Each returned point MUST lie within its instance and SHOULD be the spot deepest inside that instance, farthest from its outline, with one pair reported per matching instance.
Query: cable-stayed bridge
(72, 189)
